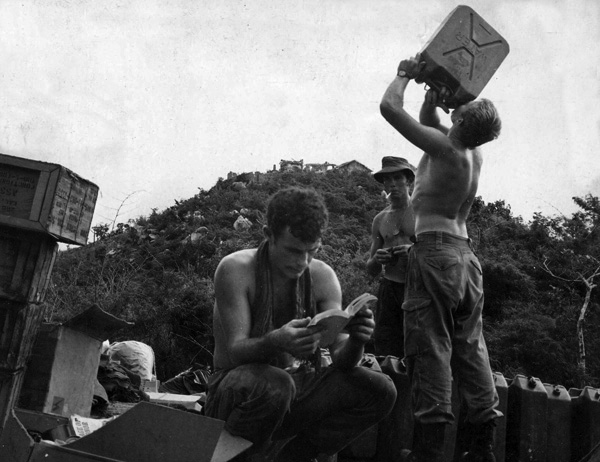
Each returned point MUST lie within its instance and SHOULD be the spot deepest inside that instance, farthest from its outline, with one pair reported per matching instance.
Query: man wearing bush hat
(391, 164)
(390, 241)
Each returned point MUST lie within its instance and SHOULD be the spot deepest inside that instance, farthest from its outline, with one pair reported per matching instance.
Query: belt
(442, 237)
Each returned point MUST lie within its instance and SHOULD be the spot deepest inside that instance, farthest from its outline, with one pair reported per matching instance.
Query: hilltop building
(291, 165)
(353, 166)
(319, 168)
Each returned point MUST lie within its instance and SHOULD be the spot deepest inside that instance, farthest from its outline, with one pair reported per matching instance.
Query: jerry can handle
(556, 390)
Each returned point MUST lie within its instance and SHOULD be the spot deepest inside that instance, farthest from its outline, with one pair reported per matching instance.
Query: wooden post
(40, 205)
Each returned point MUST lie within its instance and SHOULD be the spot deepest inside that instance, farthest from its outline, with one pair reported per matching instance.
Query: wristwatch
(403, 73)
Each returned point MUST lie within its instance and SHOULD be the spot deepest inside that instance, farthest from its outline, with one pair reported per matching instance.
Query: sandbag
(136, 357)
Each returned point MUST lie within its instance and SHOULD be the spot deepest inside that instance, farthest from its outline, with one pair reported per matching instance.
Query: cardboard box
(63, 365)
(40, 196)
(146, 433)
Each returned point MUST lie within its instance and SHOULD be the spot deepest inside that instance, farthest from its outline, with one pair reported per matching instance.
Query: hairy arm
(232, 281)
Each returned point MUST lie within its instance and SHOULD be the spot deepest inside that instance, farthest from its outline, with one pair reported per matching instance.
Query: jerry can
(526, 422)
(500, 444)
(396, 430)
(462, 55)
(585, 429)
(558, 424)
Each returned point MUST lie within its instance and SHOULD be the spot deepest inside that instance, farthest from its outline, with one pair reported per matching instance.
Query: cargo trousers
(388, 338)
(443, 331)
(264, 404)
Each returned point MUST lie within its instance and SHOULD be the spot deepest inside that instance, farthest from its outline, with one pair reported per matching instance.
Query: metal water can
(559, 424)
(585, 429)
(526, 423)
(462, 55)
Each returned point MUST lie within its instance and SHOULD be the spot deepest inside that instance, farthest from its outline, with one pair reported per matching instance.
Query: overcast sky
(152, 100)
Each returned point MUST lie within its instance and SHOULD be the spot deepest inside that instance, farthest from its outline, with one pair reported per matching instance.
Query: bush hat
(390, 164)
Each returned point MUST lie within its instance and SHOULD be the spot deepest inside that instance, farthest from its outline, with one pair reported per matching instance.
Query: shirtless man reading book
(269, 385)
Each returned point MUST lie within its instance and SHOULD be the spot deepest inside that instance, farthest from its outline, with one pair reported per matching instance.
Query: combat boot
(428, 444)
(481, 448)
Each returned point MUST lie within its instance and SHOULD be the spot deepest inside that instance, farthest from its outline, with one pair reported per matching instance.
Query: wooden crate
(26, 260)
(19, 326)
(40, 196)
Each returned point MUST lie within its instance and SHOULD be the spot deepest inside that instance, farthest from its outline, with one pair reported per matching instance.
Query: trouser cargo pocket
(416, 340)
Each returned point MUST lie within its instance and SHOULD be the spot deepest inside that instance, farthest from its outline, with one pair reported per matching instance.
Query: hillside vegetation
(157, 272)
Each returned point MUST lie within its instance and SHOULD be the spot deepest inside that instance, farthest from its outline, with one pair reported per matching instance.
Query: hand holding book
(331, 322)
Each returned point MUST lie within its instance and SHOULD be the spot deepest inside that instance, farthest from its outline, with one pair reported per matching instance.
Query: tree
(155, 275)
(574, 258)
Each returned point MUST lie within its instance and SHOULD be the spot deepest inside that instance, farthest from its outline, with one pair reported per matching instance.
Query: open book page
(331, 322)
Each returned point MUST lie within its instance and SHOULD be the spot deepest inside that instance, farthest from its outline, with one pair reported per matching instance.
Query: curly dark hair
(302, 209)
(481, 124)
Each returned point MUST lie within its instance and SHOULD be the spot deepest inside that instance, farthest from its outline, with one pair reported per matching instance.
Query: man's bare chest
(284, 305)
(396, 224)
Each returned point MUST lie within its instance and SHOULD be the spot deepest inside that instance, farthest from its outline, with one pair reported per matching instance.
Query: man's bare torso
(283, 300)
(445, 188)
(395, 227)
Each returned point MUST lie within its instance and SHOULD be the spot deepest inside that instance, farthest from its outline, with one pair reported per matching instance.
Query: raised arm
(429, 115)
(430, 140)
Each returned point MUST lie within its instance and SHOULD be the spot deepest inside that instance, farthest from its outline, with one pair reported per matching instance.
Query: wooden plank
(58, 198)
(10, 386)
(40, 194)
(22, 272)
(21, 223)
(44, 263)
(26, 261)
(42, 286)
(19, 325)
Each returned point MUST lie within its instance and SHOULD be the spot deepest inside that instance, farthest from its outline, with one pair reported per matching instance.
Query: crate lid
(96, 323)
